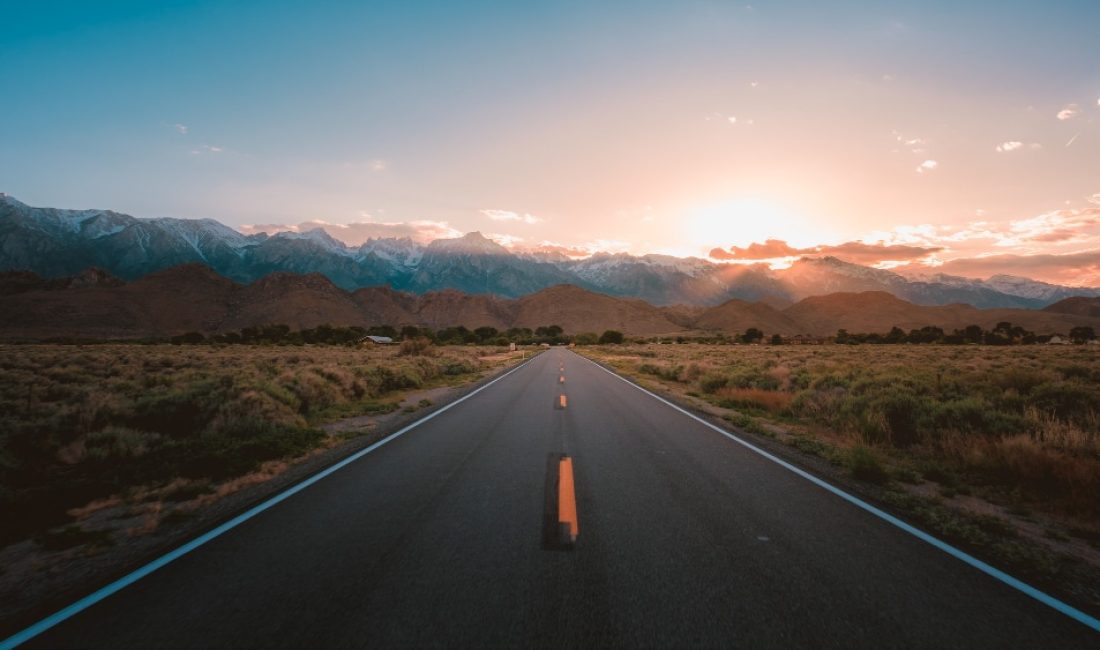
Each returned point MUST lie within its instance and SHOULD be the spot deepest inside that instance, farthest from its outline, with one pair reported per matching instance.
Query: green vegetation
(1017, 425)
(80, 423)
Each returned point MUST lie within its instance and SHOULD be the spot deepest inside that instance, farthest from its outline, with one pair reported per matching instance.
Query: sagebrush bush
(1025, 419)
(79, 423)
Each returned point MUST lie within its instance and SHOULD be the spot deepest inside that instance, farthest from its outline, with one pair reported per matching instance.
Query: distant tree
(777, 339)
(455, 335)
(842, 337)
(972, 334)
(485, 333)
(586, 338)
(896, 335)
(410, 332)
(190, 338)
(549, 331)
(752, 335)
(1082, 334)
(611, 336)
(927, 334)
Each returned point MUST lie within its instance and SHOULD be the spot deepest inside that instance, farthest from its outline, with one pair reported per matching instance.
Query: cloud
(1069, 112)
(206, 148)
(356, 234)
(181, 128)
(572, 252)
(507, 215)
(770, 249)
(854, 251)
(1075, 269)
(927, 166)
(864, 253)
(914, 145)
(507, 241)
(1015, 145)
(378, 165)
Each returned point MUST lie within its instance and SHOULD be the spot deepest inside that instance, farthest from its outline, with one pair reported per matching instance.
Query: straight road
(684, 538)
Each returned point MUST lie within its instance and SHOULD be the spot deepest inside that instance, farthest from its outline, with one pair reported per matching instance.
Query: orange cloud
(1080, 269)
(863, 253)
(853, 251)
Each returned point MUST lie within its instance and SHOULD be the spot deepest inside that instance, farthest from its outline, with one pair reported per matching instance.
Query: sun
(740, 222)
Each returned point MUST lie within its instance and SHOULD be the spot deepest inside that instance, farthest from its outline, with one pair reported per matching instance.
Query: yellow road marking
(563, 401)
(561, 380)
(567, 501)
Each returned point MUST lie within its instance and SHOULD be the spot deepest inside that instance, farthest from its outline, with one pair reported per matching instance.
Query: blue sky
(638, 126)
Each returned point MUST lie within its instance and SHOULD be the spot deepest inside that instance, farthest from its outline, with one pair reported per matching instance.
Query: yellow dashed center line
(567, 501)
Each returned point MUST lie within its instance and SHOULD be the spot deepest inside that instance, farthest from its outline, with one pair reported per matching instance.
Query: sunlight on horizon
(745, 220)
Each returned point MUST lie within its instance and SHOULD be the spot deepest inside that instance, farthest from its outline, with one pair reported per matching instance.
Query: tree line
(459, 335)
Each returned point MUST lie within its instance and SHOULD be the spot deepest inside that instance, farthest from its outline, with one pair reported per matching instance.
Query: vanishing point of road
(561, 506)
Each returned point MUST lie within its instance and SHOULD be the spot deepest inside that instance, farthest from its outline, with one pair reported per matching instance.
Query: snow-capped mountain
(59, 243)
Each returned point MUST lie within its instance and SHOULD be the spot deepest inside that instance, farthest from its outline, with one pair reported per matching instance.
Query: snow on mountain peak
(473, 243)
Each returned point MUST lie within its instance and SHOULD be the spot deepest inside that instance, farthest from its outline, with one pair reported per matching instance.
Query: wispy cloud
(180, 128)
(378, 165)
(927, 166)
(1069, 112)
(913, 144)
(507, 241)
(1015, 145)
(356, 234)
(207, 148)
(508, 215)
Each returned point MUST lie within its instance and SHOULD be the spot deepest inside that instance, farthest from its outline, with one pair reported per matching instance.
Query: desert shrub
(1042, 474)
(865, 465)
(755, 398)
(179, 412)
(454, 367)
(711, 382)
(971, 415)
(750, 377)
(1021, 380)
(415, 347)
(118, 444)
(901, 416)
(1070, 401)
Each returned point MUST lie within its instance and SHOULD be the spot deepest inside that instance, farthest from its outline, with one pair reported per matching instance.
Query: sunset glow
(971, 133)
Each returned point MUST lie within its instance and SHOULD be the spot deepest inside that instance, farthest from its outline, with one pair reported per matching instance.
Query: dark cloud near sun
(853, 251)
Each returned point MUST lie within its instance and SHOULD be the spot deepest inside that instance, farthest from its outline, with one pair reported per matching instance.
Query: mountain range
(192, 297)
(57, 243)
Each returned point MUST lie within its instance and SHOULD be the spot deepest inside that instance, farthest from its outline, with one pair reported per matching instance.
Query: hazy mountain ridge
(58, 243)
(193, 297)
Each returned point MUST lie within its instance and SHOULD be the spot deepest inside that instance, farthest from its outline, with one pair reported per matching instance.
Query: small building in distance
(805, 339)
(380, 340)
(1058, 340)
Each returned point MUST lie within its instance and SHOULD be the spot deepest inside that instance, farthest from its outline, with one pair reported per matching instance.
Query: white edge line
(992, 571)
(104, 592)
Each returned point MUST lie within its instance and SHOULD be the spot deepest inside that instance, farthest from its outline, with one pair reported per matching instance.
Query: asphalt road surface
(684, 538)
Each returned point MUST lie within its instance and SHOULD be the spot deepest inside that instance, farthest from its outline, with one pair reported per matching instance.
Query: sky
(922, 136)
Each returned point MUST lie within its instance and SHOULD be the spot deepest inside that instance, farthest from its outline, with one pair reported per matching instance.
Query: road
(685, 538)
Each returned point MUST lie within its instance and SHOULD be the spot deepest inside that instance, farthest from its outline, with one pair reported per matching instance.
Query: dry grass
(1020, 425)
(82, 425)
